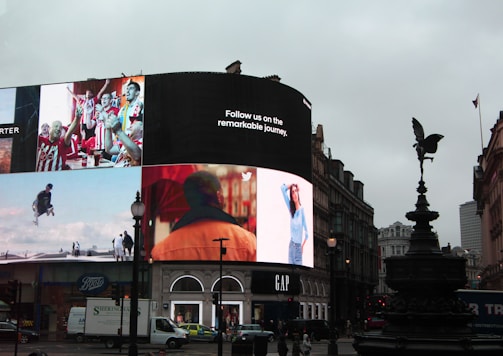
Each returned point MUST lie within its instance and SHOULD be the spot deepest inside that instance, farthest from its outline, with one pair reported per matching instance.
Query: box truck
(487, 305)
(75, 323)
(110, 323)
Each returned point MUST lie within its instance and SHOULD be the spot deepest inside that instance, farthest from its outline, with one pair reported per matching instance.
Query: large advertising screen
(215, 156)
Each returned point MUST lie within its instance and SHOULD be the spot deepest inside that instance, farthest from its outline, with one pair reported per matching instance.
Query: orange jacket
(195, 242)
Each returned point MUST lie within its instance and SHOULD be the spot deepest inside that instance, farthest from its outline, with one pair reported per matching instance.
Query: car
(317, 329)
(8, 333)
(199, 332)
(249, 331)
(374, 322)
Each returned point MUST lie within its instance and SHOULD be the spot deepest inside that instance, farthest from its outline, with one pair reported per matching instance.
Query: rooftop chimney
(274, 78)
(234, 68)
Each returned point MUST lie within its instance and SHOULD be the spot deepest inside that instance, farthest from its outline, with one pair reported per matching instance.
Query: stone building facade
(487, 191)
(393, 240)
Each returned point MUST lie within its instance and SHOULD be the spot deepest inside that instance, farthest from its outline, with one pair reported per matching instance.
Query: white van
(75, 324)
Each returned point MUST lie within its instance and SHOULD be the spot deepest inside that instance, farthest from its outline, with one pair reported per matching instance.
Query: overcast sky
(367, 67)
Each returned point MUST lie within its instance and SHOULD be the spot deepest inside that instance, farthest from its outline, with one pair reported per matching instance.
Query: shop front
(50, 290)
(275, 296)
(265, 295)
(190, 299)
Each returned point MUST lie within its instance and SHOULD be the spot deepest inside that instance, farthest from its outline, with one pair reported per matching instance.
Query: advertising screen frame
(245, 124)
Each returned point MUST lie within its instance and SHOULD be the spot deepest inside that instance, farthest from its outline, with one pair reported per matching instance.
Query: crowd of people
(298, 347)
(99, 124)
(123, 244)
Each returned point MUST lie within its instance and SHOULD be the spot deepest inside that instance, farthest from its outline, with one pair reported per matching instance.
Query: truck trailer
(108, 322)
(487, 305)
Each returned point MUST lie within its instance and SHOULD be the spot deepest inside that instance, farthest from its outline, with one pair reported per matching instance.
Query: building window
(338, 222)
(229, 284)
(187, 284)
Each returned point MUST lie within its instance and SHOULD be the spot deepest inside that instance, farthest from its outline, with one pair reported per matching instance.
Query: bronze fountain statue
(424, 145)
(424, 315)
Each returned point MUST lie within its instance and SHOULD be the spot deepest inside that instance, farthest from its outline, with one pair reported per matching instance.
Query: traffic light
(116, 293)
(215, 298)
(12, 291)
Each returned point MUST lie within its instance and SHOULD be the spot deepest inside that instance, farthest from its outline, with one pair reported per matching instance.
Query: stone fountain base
(377, 344)
(425, 316)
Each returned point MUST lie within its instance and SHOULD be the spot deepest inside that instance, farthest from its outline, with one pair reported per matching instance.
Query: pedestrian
(282, 346)
(77, 249)
(296, 346)
(127, 243)
(306, 345)
(118, 248)
(349, 328)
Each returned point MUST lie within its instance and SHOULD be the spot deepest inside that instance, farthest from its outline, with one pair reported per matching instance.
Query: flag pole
(480, 122)
(476, 102)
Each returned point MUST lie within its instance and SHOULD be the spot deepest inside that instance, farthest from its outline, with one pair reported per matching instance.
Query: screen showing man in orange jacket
(192, 237)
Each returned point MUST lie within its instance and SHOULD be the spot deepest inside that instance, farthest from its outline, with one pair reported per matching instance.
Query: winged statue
(424, 145)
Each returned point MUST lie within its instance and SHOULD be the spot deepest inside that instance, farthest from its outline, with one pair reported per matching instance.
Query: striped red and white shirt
(124, 159)
(51, 155)
(100, 129)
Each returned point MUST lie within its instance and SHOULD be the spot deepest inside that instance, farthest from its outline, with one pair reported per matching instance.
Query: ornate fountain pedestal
(425, 315)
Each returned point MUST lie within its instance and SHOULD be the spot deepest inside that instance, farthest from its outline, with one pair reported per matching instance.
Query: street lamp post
(137, 209)
(219, 305)
(332, 346)
(143, 267)
(349, 302)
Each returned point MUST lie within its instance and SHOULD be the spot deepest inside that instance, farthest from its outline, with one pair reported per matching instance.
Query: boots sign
(275, 283)
(92, 283)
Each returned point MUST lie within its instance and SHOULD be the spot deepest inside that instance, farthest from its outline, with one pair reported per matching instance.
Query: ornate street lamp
(332, 346)
(137, 209)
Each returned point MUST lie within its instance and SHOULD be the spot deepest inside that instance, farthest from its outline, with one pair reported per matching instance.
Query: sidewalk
(53, 348)
(344, 346)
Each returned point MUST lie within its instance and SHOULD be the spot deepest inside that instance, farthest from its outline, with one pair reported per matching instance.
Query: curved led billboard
(218, 158)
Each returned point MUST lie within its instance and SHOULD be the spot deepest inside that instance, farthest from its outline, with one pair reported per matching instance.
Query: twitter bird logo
(246, 176)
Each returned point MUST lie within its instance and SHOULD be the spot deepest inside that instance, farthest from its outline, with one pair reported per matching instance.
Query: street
(194, 348)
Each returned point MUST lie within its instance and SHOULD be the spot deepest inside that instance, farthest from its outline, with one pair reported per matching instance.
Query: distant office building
(471, 242)
(471, 230)
(393, 240)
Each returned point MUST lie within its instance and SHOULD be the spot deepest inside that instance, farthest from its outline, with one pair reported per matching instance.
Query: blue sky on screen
(91, 206)
(7, 102)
